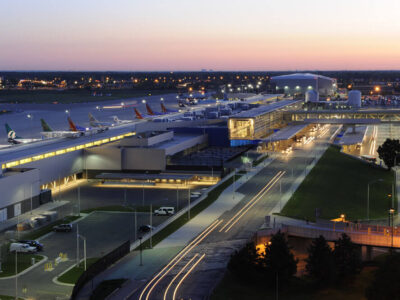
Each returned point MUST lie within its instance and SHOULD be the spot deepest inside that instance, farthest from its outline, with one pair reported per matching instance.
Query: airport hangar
(300, 83)
(30, 170)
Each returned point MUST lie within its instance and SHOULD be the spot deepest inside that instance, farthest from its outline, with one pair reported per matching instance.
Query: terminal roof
(264, 109)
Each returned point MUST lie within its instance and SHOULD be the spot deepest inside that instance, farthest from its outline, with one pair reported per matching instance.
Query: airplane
(164, 110)
(12, 137)
(50, 133)
(138, 114)
(118, 121)
(151, 112)
(95, 123)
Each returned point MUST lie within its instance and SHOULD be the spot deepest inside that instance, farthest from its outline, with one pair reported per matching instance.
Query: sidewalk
(153, 259)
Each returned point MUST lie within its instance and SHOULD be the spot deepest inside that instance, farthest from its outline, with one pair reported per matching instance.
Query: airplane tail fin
(92, 119)
(72, 126)
(163, 108)
(138, 115)
(149, 110)
(10, 133)
(45, 126)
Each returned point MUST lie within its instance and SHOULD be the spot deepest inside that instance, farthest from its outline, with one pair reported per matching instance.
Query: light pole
(84, 249)
(140, 249)
(143, 194)
(177, 198)
(391, 214)
(189, 204)
(16, 275)
(371, 182)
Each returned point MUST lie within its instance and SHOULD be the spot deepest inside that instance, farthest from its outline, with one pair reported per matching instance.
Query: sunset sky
(195, 34)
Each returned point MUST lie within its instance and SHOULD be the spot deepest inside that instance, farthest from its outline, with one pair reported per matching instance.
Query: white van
(24, 248)
(164, 211)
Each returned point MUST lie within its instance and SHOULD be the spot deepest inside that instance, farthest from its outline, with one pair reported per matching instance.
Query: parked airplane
(138, 114)
(12, 137)
(118, 121)
(95, 123)
(164, 110)
(151, 112)
(83, 130)
(50, 133)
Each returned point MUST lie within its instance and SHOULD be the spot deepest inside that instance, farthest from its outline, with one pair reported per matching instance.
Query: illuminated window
(50, 154)
(12, 164)
(38, 157)
(25, 161)
(88, 145)
(71, 149)
(80, 147)
(60, 152)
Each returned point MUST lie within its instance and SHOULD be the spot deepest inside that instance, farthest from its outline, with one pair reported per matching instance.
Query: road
(194, 271)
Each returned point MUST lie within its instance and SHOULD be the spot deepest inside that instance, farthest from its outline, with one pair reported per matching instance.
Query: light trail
(156, 279)
(186, 275)
(248, 203)
(254, 202)
(335, 133)
(177, 275)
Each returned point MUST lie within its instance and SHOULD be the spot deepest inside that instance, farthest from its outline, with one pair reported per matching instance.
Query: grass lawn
(182, 220)
(259, 161)
(48, 228)
(24, 261)
(338, 185)
(120, 208)
(73, 274)
(105, 288)
(72, 96)
(231, 288)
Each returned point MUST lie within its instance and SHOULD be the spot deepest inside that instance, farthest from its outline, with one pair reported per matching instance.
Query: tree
(347, 257)
(388, 151)
(278, 261)
(385, 283)
(320, 263)
(245, 264)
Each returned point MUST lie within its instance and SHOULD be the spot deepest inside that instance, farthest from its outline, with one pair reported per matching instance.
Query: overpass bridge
(365, 235)
(336, 116)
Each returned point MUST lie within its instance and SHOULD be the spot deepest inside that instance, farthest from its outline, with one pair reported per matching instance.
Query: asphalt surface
(104, 231)
(195, 271)
(56, 116)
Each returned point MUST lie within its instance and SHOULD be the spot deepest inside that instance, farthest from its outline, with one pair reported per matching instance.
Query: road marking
(177, 259)
(186, 275)
(177, 275)
(254, 202)
(248, 203)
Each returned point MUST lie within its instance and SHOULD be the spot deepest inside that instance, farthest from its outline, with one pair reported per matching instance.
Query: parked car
(164, 211)
(33, 243)
(63, 228)
(146, 228)
(23, 248)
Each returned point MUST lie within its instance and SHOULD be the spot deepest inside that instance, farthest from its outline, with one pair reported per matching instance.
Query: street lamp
(372, 181)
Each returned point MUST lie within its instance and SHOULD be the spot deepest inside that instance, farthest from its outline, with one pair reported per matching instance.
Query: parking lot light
(140, 249)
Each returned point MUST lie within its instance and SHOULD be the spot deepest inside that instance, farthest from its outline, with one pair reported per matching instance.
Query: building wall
(103, 158)
(17, 187)
(143, 159)
(58, 166)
